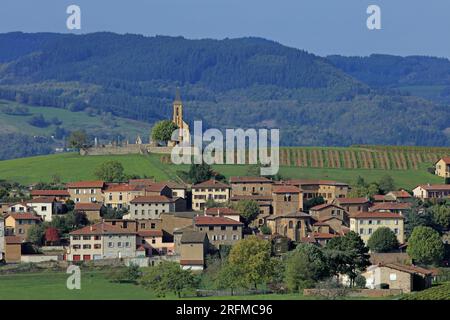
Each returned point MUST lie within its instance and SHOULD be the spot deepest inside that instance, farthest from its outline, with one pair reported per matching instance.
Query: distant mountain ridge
(247, 82)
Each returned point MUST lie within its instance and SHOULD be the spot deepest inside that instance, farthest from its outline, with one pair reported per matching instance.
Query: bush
(360, 281)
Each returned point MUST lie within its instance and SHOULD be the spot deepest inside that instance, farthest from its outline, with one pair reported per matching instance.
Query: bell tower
(178, 110)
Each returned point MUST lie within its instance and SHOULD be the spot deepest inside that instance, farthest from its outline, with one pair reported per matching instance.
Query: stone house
(443, 167)
(397, 276)
(19, 224)
(86, 191)
(220, 230)
(151, 207)
(248, 186)
(294, 225)
(393, 207)
(45, 207)
(327, 210)
(265, 206)
(286, 199)
(92, 211)
(101, 241)
(353, 205)
(432, 191)
(13, 249)
(60, 195)
(119, 195)
(327, 189)
(214, 190)
(193, 247)
(223, 212)
(366, 223)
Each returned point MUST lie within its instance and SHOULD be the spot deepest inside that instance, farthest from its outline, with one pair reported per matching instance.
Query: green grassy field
(96, 286)
(72, 167)
(70, 121)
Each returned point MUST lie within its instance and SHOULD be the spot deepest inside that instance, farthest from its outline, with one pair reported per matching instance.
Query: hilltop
(246, 82)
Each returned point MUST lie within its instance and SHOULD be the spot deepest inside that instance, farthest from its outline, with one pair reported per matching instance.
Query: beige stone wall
(86, 195)
(201, 195)
(192, 251)
(218, 237)
(365, 227)
(282, 206)
(248, 189)
(442, 169)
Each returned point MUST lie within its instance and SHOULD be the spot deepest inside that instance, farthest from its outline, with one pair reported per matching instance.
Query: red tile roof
(13, 240)
(408, 269)
(124, 187)
(445, 159)
(323, 206)
(401, 194)
(256, 197)
(156, 187)
(86, 184)
(318, 235)
(50, 193)
(150, 233)
(218, 221)
(191, 262)
(390, 206)
(222, 211)
(101, 228)
(378, 197)
(211, 184)
(436, 187)
(250, 180)
(285, 189)
(23, 216)
(300, 182)
(143, 182)
(375, 215)
(42, 200)
(152, 199)
(87, 206)
(352, 200)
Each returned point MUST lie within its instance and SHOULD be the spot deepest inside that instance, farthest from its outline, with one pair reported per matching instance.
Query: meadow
(71, 167)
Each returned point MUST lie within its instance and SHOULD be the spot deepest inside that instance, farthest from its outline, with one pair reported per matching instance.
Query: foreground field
(72, 167)
(96, 286)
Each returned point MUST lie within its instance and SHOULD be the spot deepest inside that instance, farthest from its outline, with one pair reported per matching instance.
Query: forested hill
(248, 82)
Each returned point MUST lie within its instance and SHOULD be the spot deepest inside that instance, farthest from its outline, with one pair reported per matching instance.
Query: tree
(383, 240)
(425, 246)
(130, 274)
(199, 173)
(417, 216)
(162, 130)
(360, 281)
(347, 255)
(229, 278)
(168, 277)
(441, 215)
(80, 219)
(251, 259)
(386, 184)
(36, 234)
(313, 202)
(265, 230)
(249, 210)
(52, 235)
(78, 140)
(304, 267)
(110, 171)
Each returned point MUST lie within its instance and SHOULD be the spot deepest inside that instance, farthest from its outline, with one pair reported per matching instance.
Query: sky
(408, 27)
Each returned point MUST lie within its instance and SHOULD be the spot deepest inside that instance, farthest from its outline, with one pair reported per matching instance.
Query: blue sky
(322, 27)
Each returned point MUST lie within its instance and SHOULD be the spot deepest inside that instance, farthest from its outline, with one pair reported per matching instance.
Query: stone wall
(125, 149)
(372, 293)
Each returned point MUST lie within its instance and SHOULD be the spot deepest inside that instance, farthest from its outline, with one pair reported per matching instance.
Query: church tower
(184, 134)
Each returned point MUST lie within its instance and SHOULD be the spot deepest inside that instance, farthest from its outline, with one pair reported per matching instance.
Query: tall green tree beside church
(162, 130)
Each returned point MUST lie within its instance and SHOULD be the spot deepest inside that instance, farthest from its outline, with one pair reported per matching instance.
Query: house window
(153, 240)
(97, 246)
(127, 244)
(44, 208)
(86, 237)
(211, 228)
(86, 246)
(370, 221)
(119, 244)
(393, 276)
(370, 231)
(235, 237)
(152, 226)
(110, 245)
(223, 228)
(110, 197)
(291, 225)
(361, 231)
(224, 237)
(21, 231)
(235, 227)
(76, 246)
(92, 191)
(396, 231)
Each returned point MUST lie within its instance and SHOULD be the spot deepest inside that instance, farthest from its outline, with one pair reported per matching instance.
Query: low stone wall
(125, 149)
(38, 258)
(373, 293)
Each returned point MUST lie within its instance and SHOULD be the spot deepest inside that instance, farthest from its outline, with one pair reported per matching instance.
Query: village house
(158, 189)
(265, 206)
(93, 211)
(398, 196)
(45, 207)
(213, 190)
(220, 230)
(152, 241)
(365, 224)
(86, 191)
(19, 224)
(151, 207)
(294, 225)
(394, 207)
(119, 195)
(247, 186)
(443, 167)
(326, 210)
(286, 199)
(179, 190)
(60, 195)
(193, 247)
(4, 208)
(432, 191)
(397, 276)
(319, 238)
(21, 207)
(172, 221)
(353, 205)
(101, 241)
(327, 189)
(223, 212)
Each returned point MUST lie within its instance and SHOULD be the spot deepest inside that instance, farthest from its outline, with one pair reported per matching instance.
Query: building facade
(216, 191)
(366, 223)
(86, 191)
(443, 167)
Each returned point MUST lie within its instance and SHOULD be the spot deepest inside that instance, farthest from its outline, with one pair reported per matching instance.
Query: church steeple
(178, 110)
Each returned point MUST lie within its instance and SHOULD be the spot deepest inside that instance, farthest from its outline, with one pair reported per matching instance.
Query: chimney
(91, 228)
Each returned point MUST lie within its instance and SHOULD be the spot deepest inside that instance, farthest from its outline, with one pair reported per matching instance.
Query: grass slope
(72, 167)
(70, 121)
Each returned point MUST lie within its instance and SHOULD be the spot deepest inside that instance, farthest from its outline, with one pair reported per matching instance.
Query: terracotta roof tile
(42, 200)
(86, 184)
(375, 215)
(352, 200)
(436, 187)
(250, 180)
(222, 211)
(206, 220)
(87, 206)
(50, 193)
(101, 228)
(152, 199)
(24, 216)
(390, 206)
(285, 189)
(191, 262)
(150, 233)
(211, 184)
